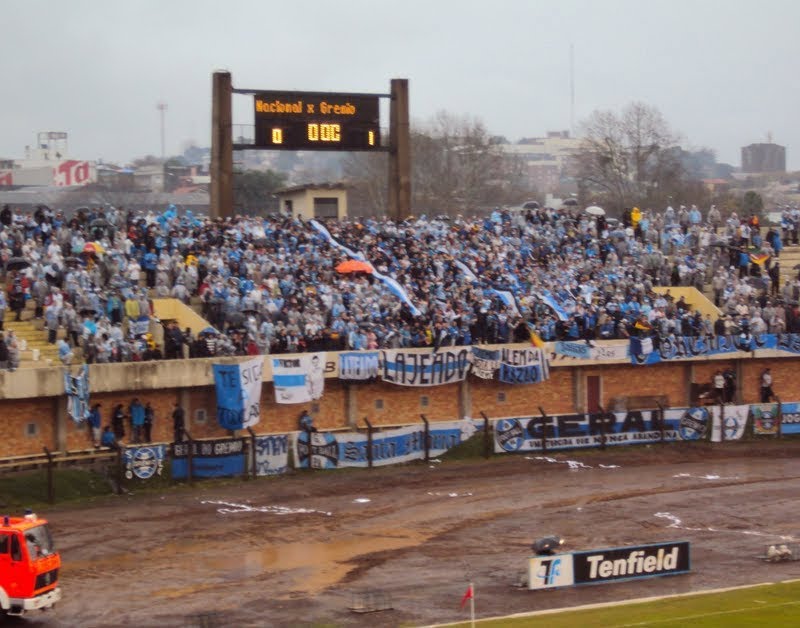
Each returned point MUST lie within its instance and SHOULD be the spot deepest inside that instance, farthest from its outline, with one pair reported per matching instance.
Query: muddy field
(298, 550)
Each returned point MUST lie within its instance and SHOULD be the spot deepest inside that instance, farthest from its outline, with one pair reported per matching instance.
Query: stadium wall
(33, 407)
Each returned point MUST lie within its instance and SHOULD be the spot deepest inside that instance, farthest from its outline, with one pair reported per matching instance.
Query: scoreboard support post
(221, 167)
(399, 152)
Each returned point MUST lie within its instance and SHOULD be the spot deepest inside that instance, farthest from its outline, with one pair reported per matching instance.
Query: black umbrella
(17, 263)
(250, 311)
(99, 223)
(796, 267)
(570, 202)
(88, 311)
(72, 261)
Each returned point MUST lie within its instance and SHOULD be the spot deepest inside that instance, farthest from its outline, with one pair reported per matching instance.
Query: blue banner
(77, 391)
(579, 350)
(790, 418)
(685, 347)
(530, 374)
(210, 458)
(238, 389)
(319, 450)
(144, 462)
(358, 365)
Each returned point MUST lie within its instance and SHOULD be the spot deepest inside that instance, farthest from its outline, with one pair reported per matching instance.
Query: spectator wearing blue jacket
(150, 263)
(136, 412)
(108, 439)
(95, 424)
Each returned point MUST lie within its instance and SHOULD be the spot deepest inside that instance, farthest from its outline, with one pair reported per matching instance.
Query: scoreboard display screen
(316, 121)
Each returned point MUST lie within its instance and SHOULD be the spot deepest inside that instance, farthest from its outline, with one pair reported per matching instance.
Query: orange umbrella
(354, 266)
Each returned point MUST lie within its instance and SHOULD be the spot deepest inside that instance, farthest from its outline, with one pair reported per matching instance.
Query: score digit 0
(277, 136)
(324, 132)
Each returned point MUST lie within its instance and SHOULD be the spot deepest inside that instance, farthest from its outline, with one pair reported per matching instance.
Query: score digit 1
(371, 138)
(277, 136)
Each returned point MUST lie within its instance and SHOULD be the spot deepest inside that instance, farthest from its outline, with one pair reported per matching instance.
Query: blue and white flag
(272, 454)
(358, 365)
(466, 270)
(323, 231)
(548, 299)
(390, 283)
(579, 350)
(239, 393)
(393, 286)
(508, 300)
(485, 362)
(140, 326)
(298, 379)
(77, 391)
(523, 366)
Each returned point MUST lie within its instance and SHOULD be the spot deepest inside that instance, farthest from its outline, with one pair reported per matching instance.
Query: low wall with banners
(319, 450)
(210, 458)
(608, 565)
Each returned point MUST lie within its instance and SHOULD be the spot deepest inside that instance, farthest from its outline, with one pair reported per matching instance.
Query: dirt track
(159, 560)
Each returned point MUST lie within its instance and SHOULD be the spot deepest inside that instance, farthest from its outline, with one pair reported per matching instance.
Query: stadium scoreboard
(316, 121)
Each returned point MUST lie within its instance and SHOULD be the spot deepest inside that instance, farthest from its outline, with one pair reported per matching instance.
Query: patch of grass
(471, 448)
(763, 605)
(29, 489)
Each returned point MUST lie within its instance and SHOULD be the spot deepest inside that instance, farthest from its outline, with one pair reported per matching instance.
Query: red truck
(29, 565)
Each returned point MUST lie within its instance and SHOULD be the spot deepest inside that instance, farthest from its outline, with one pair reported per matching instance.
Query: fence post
(426, 437)
(51, 489)
(369, 442)
(780, 416)
(487, 445)
(190, 455)
(120, 471)
(253, 466)
(661, 419)
(544, 420)
(602, 427)
(721, 425)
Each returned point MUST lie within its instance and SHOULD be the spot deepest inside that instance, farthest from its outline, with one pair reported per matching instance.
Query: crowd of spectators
(270, 284)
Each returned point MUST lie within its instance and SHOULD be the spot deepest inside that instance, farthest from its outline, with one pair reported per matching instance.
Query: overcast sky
(723, 72)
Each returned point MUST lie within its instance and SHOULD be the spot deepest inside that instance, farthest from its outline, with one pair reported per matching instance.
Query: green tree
(752, 203)
(254, 191)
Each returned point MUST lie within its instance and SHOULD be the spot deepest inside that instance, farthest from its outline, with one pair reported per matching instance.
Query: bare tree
(628, 158)
(457, 167)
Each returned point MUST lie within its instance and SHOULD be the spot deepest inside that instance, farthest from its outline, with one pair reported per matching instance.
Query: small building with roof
(314, 200)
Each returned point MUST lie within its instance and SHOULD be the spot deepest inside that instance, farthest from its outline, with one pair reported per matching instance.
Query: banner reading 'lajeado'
(425, 368)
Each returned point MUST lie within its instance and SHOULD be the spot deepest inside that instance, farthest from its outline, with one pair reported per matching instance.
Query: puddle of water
(436, 494)
(362, 500)
(678, 524)
(321, 565)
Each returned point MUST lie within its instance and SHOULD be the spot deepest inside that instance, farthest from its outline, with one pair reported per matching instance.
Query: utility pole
(162, 109)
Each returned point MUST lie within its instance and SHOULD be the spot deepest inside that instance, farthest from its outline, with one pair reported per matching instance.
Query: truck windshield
(39, 541)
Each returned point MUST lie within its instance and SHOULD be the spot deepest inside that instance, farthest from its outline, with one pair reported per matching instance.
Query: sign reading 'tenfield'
(619, 563)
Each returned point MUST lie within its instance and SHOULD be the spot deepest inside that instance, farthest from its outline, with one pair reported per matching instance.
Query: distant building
(758, 158)
(321, 200)
(546, 159)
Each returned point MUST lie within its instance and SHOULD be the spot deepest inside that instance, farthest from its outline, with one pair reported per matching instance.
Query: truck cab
(29, 565)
